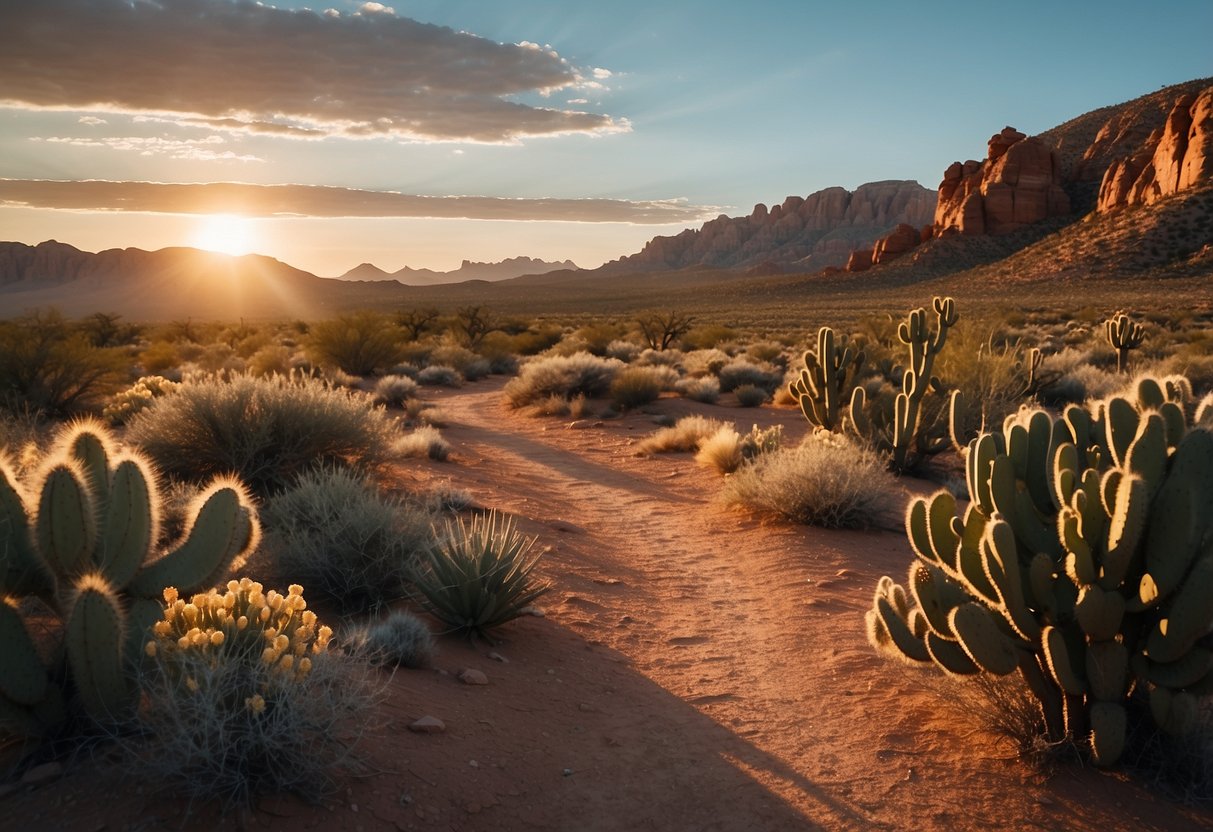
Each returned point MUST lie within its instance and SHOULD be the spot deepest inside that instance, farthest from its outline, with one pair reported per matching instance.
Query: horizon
(517, 131)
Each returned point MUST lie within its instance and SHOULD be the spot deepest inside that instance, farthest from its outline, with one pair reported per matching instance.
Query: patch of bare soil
(695, 669)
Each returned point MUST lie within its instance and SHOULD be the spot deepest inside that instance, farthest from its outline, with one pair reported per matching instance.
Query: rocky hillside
(507, 269)
(802, 234)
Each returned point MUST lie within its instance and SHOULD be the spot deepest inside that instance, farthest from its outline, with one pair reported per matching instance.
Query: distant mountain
(505, 270)
(803, 234)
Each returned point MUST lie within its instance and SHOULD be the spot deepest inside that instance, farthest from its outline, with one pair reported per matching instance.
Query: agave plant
(478, 576)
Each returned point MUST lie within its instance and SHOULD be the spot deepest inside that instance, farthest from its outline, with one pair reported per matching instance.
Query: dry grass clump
(358, 343)
(635, 386)
(685, 435)
(479, 575)
(424, 441)
(705, 390)
(721, 451)
(826, 481)
(266, 430)
(337, 533)
(580, 374)
(750, 396)
(400, 640)
(439, 375)
(242, 697)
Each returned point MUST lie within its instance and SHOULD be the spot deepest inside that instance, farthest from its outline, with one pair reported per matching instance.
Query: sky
(331, 133)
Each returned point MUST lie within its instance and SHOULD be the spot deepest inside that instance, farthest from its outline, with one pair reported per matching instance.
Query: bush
(479, 575)
(424, 441)
(740, 373)
(750, 396)
(269, 430)
(438, 375)
(565, 376)
(402, 639)
(826, 481)
(393, 390)
(685, 435)
(359, 343)
(137, 397)
(232, 711)
(721, 451)
(705, 390)
(634, 387)
(339, 535)
(271, 359)
(47, 367)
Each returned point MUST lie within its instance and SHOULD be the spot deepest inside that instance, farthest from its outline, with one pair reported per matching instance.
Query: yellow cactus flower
(217, 638)
(288, 661)
(242, 622)
(170, 595)
(309, 619)
(255, 703)
(150, 649)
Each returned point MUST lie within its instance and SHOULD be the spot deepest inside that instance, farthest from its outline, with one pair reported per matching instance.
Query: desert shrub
(566, 376)
(750, 396)
(270, 359)
(479, 575)
(635, 386)
(453, 355)
(269, 430)
(402, 639)
(477, 370)
(243, 697)
(685, 435)
(576, 407)
(424, 441)
(706, 390)
(46, 366)
(346, 540)
(441, 499)
(218, 358)
(340, 378)
(659, 358)
(704, 362)
(766, 352)
(358, 342)
(707, 336)
(625, 351)
(740, 373)
(137, 397)
(394, 390)
(826, 481)
(437, 375)
(159, 357)
(421, 412)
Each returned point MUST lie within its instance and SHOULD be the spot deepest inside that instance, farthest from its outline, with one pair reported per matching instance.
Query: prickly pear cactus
(1084, 561)
(80, 538)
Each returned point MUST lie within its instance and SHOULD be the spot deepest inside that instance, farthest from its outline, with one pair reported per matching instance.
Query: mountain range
(1121, 191)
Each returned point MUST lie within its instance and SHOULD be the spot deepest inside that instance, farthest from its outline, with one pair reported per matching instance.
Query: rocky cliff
(801, 233)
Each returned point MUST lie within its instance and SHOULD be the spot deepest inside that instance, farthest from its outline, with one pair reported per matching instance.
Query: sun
(224, 233)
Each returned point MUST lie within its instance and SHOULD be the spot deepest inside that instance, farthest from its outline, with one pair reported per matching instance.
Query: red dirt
(696, 669)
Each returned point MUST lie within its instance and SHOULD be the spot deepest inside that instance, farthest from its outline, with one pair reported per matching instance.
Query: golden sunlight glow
(224, 233)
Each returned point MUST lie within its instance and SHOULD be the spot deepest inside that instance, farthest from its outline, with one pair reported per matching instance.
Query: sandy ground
(695, 668)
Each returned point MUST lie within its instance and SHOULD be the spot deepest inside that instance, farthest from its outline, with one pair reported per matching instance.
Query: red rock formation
(1175, 157)
(859, 261)
(902, 239)
(1017, 185)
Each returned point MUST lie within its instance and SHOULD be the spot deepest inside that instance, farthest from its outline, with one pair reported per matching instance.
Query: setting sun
(224, 233)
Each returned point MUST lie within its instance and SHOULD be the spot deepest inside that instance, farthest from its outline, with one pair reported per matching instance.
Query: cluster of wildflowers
(270, 631)
(138, 396)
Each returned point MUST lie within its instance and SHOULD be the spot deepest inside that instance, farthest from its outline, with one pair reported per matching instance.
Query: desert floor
(695, 668)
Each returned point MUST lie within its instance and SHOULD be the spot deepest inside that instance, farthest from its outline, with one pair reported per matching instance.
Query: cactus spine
(1085, 562)
(1124, 335)
(83, 540)
(830, 373)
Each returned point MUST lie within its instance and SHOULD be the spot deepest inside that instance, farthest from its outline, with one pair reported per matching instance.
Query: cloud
(247, 66)
(193, 150)
(91, 120)
(325, 201)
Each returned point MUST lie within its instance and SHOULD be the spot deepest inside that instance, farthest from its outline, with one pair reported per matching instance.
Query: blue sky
(651, 116)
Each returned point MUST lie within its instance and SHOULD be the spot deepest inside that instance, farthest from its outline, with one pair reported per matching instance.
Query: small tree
(417, 321)
(474, 322)
(661, 328)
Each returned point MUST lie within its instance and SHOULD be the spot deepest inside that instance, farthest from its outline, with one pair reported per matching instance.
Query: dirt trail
(695, 669)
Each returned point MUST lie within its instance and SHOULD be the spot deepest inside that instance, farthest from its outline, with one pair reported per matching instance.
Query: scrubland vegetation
(1081, 565)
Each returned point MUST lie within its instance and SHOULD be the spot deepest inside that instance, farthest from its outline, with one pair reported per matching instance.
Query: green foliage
(82, 539)
(826, 481)
(242, 697)
(635, 386)
(402, 639)
(339, 535)
(1085, 562)
(359, 343)
(47, 366)
(267, 430)
(580, 374)
(479, 575)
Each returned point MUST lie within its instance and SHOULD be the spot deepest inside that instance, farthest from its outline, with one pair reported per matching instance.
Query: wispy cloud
(193, 150)
(322, 201)
(247, 66)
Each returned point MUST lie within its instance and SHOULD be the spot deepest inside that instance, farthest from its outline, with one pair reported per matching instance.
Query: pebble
(471, 676)
(427, 725)
(497, 657)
